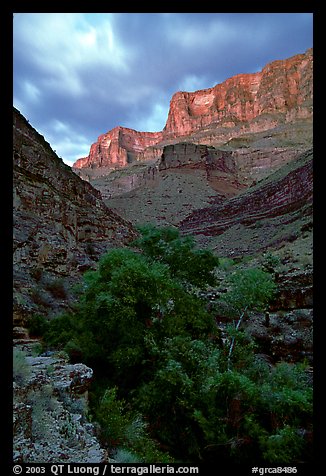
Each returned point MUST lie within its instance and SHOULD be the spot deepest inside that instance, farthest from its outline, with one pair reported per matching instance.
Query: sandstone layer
(281, 92)
(119, 147)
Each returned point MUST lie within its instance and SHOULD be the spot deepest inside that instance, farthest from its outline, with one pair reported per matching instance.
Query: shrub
(238, 414)
(37, 325)
(60, 331)
(122, 455)
(285, 446)
(226, 263)
(125, 298)
(248, 416)
(21, 369)
(270, 262)
(170, 396)
(169, 378)
(251, 289)
(126, 432)
(57, 288)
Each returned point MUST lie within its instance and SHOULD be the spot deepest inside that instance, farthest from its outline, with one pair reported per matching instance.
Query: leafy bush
(186, 263)
(170, 397)
(122, 455)
(283, 446)
(37, 325)
(251, 289)
(237, 414)
(127, 296)
(271, 262)
(226, 263)
(60, 330)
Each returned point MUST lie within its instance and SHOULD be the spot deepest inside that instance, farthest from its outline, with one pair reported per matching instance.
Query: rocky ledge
(50, 403)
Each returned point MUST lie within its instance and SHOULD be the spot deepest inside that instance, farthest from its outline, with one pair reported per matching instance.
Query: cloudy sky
(78, 75)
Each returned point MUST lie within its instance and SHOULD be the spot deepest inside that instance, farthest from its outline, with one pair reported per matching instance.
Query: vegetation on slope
(168, 385)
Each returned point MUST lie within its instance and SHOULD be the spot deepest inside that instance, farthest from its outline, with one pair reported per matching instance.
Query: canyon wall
(246, 103)
(119, 147)
(61, 224)
(283, 89)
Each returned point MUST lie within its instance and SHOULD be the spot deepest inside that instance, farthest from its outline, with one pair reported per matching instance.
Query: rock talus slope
(50, 404)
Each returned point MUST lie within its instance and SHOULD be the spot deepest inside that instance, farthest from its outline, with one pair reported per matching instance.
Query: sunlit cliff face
(281, 92)
(112, 148)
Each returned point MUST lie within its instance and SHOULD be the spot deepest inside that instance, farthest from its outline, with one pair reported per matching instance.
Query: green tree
(186, 263)
(139, 322)
(202, 411)
(250, 289)
(127, 297)
(249, 414)
(170, 396)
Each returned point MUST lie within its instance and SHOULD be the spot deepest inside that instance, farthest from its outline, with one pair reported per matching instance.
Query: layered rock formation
(119, 147)
(241, 166)
(61, 224)
(246, 103)
(287, 193)
(281, 92)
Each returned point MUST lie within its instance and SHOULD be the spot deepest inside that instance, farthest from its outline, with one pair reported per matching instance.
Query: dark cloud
(77, 76)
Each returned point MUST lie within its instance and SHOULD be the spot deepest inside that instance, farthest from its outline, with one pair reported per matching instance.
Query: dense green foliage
(186, 263)
(126, 431)
(140, 324)
(124, 300)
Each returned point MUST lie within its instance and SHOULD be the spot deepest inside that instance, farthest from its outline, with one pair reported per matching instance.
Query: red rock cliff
(118, 147)
(282, 87)
(281, 92)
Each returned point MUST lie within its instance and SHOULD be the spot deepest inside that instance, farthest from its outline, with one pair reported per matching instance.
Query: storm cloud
(78, 75)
